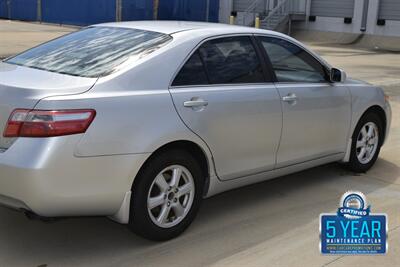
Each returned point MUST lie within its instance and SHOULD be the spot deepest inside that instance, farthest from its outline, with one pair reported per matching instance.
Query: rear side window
(292, 63)
(229, 60)
(192, 73)
(92, 52)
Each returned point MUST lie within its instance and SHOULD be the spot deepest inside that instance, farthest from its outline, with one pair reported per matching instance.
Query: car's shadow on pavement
(227, 223)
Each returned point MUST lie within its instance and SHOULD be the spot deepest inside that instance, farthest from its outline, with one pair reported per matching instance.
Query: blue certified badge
(353, 229)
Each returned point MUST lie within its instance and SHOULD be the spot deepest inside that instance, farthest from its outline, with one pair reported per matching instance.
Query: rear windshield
(91, 52)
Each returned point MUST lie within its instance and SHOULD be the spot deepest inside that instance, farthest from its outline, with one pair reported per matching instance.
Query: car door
(223, 94)
(316, 113)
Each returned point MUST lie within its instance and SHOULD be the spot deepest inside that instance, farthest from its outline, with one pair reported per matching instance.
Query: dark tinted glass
(92, 52)
(231, 60)
(192, 73)
(291, 63)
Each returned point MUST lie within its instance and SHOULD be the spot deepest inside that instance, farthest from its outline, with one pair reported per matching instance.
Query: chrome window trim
(222, 85)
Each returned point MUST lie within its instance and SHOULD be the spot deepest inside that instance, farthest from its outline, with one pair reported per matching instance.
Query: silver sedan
(139, 121)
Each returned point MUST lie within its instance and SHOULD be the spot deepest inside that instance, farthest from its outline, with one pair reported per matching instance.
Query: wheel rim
(170, 196)
(367, 142)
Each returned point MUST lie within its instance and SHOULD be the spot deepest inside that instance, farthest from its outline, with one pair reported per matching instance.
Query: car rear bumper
(42, 175)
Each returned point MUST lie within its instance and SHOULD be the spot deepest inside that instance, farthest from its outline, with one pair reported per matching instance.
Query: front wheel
(166, 196)
(366, 143)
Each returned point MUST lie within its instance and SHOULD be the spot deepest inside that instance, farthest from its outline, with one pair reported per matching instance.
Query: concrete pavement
(19, 36)
(274, 223)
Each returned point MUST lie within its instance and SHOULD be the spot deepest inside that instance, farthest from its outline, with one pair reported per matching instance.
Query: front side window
(92, 52)
(228, 60)
(292, 63)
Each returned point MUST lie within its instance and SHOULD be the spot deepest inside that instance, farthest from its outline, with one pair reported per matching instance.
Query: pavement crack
(332, 261)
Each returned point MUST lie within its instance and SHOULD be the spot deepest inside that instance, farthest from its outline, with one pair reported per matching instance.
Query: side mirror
(337, 75)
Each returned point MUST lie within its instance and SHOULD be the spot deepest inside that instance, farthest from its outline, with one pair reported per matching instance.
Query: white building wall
(328, 24)
(299, 6)
(332, 24)
(391, 28)
(227, 6)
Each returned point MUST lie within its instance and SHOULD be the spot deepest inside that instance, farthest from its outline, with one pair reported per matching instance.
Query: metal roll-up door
(332, 8)
(389, 9)
(243, 5)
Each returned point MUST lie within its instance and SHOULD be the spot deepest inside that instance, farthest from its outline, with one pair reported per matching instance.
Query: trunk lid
(23, 87)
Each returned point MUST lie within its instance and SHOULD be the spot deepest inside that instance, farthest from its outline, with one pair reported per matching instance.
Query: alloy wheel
(367, 142)
(171, 196)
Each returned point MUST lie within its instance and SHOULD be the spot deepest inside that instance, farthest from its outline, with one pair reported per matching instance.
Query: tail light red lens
(47, 123)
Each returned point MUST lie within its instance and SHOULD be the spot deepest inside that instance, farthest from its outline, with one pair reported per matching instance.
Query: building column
(271, 4)
(373, 12)
(357, 16)
(225, 9)
(39, 11)
(308, 11)
(118, 10)
(156, 4)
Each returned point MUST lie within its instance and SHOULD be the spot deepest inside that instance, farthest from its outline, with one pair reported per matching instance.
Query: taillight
(47, 123)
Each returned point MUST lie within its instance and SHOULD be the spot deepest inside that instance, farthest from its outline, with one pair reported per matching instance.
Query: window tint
(192, 73)
(291, 63)
(92, 52)
(231, 60)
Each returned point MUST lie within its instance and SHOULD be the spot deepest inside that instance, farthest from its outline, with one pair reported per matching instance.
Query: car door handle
(290, 98)
(193, 103)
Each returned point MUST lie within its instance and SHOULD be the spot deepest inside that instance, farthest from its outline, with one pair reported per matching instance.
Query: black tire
(140, 221)
(354, 163)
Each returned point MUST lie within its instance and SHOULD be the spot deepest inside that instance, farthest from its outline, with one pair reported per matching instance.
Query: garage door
(243, 5)
(389, 9)
(332, 8)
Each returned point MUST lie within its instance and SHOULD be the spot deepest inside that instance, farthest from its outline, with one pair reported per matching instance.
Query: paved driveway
(18, 36)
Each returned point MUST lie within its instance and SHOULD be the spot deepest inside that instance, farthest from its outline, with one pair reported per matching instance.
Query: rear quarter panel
(135, 111)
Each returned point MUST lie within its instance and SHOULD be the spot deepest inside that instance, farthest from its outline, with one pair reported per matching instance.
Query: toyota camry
(139, 121)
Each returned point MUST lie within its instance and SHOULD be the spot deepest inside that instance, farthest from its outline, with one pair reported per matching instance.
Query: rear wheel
(366, 143)
(166, 196)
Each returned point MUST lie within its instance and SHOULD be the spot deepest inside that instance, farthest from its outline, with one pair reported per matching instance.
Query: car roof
(198, 29)
(171, 27)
